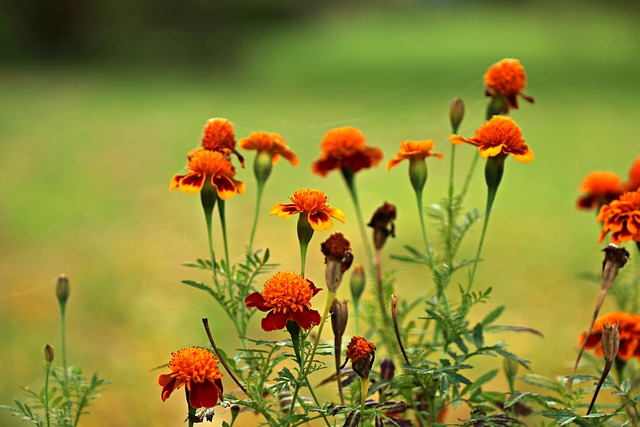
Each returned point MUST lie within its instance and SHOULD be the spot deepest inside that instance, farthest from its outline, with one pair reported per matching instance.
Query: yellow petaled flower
(286, 296)
(413, 150)
(508, 79)
(360, 350)
(206, 164)
(197, 368)
(621, 217)
(269, 142)
(314, 204)
(345, 147)
(499, 136)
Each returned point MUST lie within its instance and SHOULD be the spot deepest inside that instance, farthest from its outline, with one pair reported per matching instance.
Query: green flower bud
(456, 113)
(62, 289)
(358, 280)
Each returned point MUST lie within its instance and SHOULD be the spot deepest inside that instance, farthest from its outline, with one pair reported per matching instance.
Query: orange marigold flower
(313, 203)
(499, 136)
(600, 188)
(270, 142)
(206, 164)
(621, 217)
(286, 296)
(345, 147)
(413, 150)
(507, 78)
(634, 176)
(198, 369)
(359, 349)
(629, 325)
(219, 136)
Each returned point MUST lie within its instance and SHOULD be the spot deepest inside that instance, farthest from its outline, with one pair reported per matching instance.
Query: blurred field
(87, 152)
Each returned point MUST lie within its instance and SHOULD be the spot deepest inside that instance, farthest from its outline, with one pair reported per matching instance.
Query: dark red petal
(357, 161)
(257, 300)
(218, 383)
(168, 388)
(593, 340)
(324, 165)
(274, 321)
(306, 318)
(313, 287)
(203, 395)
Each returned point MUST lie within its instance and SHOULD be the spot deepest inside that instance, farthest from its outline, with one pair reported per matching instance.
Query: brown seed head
(610, 341)
(339, 317)
(383, 225)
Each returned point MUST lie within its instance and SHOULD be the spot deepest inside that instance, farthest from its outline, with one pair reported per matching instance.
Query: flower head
(621, 217)
(600, 188)
(361, 354)
(629, 330)
(271, 143)
(219, 136)
(383, 224)
(345, 147)
(206, 164)
(634, 176)
(413, 150)
(506, 78)
(499, 136)
(312, 203)
(286, 296)
(198, 369)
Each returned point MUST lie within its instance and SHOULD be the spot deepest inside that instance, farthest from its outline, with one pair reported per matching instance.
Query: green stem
(327, 307)
(449, 240)
(46, 395)
(347, 174)
(305, 233)
(208, 198)
(191, 411)
(378, 270)
(223, 223)
(364, 388)
(467, 179)
(356, 310)
(424, 230)
(255, 219)
(491, 195)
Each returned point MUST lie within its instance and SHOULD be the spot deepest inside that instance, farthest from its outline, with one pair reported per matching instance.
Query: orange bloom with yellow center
(220, 136)
(629, 325)
(499, 136)
(600, 188)
(507, 78)
(206, 164)
(634, 176)
(286, 296)
(413, 150)
(360, 350)
(345, 147)
(269, 142)
(621, 217)
(197, 368)
(312, 203)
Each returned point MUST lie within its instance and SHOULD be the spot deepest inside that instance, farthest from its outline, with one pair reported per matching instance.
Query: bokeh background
(100, 101)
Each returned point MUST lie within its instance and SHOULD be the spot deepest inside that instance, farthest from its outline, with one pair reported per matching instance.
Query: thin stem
(467, 179)
(364, 388)
(205, 321)
(424, 230)
(63, 333)
(378, 266)
(491, 195)
(449, 241)
(356, 309)
(46, 394)
(257, 213)
(191, 410)
(223, 222)
(327, 307)
(347, 174)
(208, 198)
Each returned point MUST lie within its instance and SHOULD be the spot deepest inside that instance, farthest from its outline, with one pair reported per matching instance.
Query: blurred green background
(100, 101)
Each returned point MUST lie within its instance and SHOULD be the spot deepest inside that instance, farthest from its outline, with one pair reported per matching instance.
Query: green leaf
(493, 315)
(478, 339)
(480, 381)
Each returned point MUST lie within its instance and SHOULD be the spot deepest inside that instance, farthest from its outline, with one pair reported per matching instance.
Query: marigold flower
(270, 142)
(345, 147)
(634, 176)
(600, 188)
(198, 369)
(622, 218)
(206, 164)
(413, 150)
(629, 328)
(286, 296)
(219, 136)
(361, 354)
(499, 136)
(507, 78)
(314, 204)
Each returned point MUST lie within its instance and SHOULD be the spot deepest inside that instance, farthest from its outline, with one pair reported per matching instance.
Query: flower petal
(525, 157)
(192, 182)
(320, 221)
(175, 182)
(306, 318)
(489, 151)
(256, 300)
(336, 213)
(168, 384)
(284, 210)
(225, 186)
(274, 321)
(203, 395)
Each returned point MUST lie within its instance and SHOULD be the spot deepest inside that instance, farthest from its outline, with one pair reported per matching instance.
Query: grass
(86, 154)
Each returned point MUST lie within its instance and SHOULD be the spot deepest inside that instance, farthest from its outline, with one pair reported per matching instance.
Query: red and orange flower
(206, 164)
(507, 78)
(361, 353)
(345, 147)
(634, 177)
(413, 150)
(621, 217)
(197, 368)
(312, 203)
(499, 136)
(219, 136)
(629, 325)
(271, 143)
(286, 296)
(600, 188)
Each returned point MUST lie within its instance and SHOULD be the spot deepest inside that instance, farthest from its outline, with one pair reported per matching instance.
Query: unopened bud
(456, 113)
(339, 317)
(62, 289)
(497, 105)
(610, 341)
(262, 166)
(418, 173)
(48, 353)
(614, 259)
(235, 410)
(358, 280)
